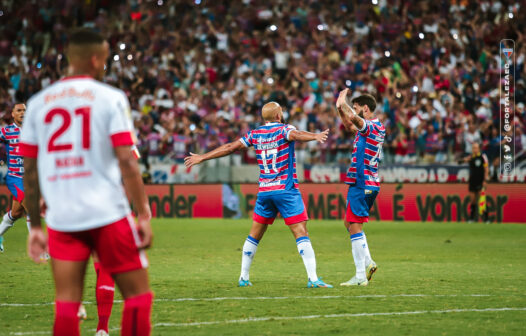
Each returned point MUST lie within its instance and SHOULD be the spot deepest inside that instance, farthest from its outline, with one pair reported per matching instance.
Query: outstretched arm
(303, 136)
(224, 150)
(347, 113)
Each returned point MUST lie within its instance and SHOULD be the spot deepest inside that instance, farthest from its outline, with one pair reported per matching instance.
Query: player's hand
(322, 137)
(37, 244)
(145, 230)
(192, 160)
(341, 98)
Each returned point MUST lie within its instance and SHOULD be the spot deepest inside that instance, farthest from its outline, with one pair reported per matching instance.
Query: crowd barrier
(395, 202)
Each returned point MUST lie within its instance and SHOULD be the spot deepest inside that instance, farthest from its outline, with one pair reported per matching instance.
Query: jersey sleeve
(368, 127)
(286, 131)
(28, 143)
(485, 159)
(247, 139)
(2, 134)
(121, 129)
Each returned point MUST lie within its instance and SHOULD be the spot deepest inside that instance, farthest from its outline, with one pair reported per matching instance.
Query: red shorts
(352, 218)
(115, 244)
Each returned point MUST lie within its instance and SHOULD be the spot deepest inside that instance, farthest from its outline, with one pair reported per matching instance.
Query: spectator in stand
(401, 148)
(215, 64)
(431, 144)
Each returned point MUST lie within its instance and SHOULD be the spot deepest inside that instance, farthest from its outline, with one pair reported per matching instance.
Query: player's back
(275, 156)
(363, 171)
(72, 126)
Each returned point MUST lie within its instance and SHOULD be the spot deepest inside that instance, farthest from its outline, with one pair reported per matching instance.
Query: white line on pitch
(241, 298)
(307, 317)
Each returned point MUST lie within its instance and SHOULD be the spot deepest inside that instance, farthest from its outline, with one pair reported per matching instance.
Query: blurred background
(198, 72)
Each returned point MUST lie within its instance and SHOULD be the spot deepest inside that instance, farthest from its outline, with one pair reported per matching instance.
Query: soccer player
(278, 186)
(15, 171)
(76, 141)
(478, 175)
(362, 178)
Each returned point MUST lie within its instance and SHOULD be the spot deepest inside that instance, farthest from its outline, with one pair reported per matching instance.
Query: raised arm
(224, 150)
(303, 136)
(347, 114)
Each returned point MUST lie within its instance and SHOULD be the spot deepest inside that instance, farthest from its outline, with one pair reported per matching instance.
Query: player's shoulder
(11, 127)
(378, 124)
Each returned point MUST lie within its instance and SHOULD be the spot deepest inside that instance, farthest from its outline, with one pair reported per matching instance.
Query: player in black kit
(478, 175)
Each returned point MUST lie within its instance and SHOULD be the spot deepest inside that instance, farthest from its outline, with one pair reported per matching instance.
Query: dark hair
(84, 36)
(365, 99)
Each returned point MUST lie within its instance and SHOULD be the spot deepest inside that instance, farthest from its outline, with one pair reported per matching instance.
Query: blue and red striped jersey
(363, 172)
(275, 156)
(15, 162)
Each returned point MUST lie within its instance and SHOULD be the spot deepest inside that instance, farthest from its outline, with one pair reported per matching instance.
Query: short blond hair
(271, 111)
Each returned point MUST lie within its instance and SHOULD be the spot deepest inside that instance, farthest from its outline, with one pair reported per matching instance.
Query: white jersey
(71, 128)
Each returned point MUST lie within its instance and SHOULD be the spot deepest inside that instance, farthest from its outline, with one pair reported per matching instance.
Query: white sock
(7, 223)
(309, 259)
(358, 253)
(249, 249)
(28, 222)
(368, 259)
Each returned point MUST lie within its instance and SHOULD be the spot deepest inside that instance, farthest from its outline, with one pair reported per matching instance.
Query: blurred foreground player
(77, 141)
(15, 171)
(362, 178)
(278, 186)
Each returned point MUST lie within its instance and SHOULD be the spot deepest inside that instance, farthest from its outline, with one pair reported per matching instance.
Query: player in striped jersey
(15, 171)
(278, 186)
(362, 177)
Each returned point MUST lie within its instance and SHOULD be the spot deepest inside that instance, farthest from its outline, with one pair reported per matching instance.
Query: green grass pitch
(433, 279)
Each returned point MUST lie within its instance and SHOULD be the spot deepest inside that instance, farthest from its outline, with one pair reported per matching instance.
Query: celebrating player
(15, 171)
(76, 142)
(278, 186)
(362, 178)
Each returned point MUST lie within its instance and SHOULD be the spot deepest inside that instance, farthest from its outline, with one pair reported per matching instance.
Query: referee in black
(478, 175)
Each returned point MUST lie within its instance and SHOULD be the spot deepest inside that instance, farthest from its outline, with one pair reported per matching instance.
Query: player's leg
(9, 220)
(116, 246)
(104, 293)
(69, 255)
(474, 198)
(370, 265)
(249, 250)
(28, 220)
(292, 208)
(69, 282)
(356, 214)
(138, 299)
(264, 214)
(304, 245)
(16, 188)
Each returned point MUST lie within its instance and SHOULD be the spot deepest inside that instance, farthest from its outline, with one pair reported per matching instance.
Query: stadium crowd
(198, 72)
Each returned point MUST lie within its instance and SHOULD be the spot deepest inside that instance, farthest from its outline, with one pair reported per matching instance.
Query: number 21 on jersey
(66, 116)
